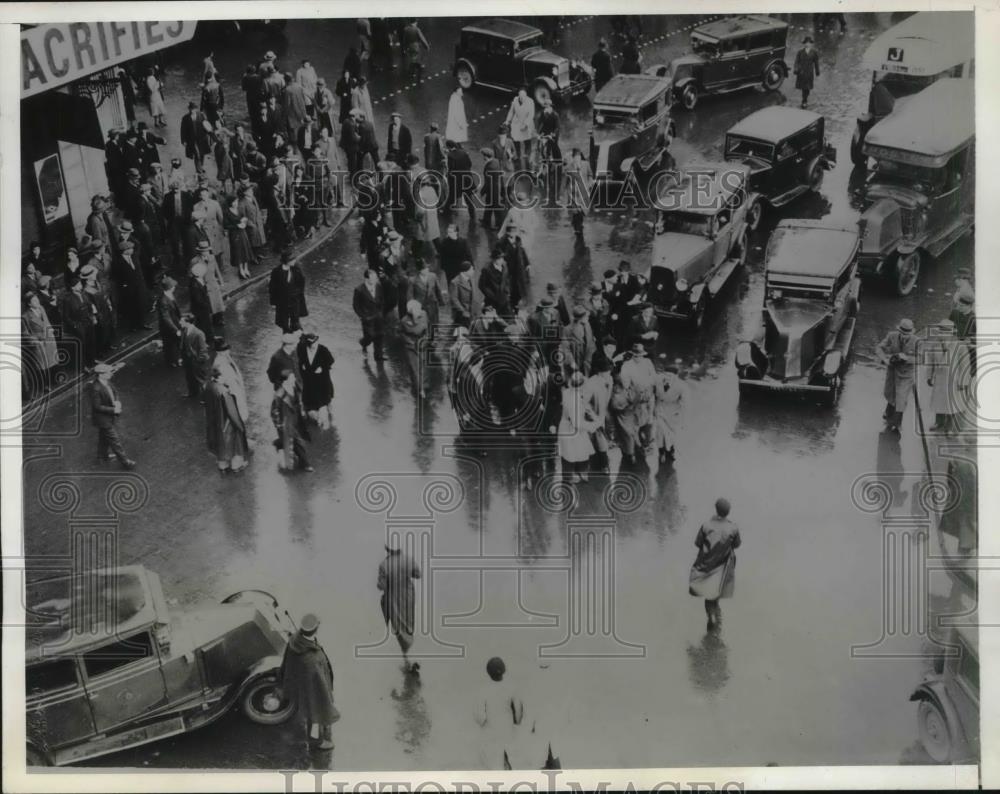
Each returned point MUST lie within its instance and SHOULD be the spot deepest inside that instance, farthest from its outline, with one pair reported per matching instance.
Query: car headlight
(682, 285)
(599, 118)
(775, 294)
(555, 71)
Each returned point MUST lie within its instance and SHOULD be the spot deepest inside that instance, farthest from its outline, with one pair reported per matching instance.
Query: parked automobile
(920, 188)
(728, 55)
(632, 128)
(110, 666)
(948, 701)
(787, 152)
(909, 57)
(811, 301)
(506, 54)
(701, 238)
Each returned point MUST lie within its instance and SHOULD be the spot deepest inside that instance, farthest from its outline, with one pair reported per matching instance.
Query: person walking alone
(307, 680)
(106, 408)
(713, 574)
(395, 581)
(806, 69)
(898, 351)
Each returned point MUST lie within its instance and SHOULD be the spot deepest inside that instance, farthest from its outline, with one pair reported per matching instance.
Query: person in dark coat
(435, 154)
(315, 363)
(399, 141)
(195, 132)
(225, 431)
(104, 330)
(288, 418)
(494, 283)
(200, 300)
(631, 56)
(105, 410)
(343, 90)
(350, 142)
(492, 190)
(517, 264)
(168, 315)
(806, 69)
(176, 211)
(195, 355)
(601, 63)
(285, 357)
(131, 288)
(79, 322)
(148, 142)
(252, 86)
(307, 680)
(395, 580)
(452, 252)
(287, 291)
(713, 573)
(369, 305)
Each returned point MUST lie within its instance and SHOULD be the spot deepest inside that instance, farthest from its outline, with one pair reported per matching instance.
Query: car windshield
(748, 147)
(908, 175)
(528, 43)
(686, 223)
(613, 118)
(900, 85)
(706, 49)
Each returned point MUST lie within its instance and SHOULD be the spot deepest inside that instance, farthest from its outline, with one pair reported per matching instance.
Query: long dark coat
(495, 286)
(317, 387)
(201, 305)
(517, 264)
(132, 289)
(395, 579)
(307, 678)
(288, 297)
(224, 429)
(806, 69)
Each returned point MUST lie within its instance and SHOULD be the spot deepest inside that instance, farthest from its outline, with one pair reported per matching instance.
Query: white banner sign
(55, 54)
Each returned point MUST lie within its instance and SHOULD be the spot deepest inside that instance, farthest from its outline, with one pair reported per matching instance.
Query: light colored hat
(906, 325)
(966, 300)
(204, 245)
(87, 271)
(198, 269)
(103, 369)
(309, 623)
(946, 325)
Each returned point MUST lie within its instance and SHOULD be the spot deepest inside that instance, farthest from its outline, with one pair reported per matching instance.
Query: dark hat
(287, 255)
(807, 40)
(204, 245)
(963, 272)
(169, 282)
(722, 507)
(412, 159)
(624, 265)
(638, 349)
(466, 265)
(192, 106)
(434, 126)
(550, 287)
(906, 325)
(496, 668)
(309, 623)
(547, 302)
(609, 273)
(486, 151)
(505, 127)
(220, 344)
(175, 162)
(134, 172)
(156, 166)
(602, 43)
(645, 305)
(127, 247)
(310, 337)
(596, 289)
(320, 81)
(579, 311)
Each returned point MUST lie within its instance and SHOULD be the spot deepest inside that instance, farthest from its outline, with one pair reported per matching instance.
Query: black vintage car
(632, 126)
(787, 153)
(506, 54)
(728, 55)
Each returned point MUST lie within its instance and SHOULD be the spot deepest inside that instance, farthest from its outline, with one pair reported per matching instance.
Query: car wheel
(263, 703)
(815, 176)
(857, 148)
(773, 78)
(907, 272)
(754, 215)
(689, 96)
(542, 94)
(934, 733)
(465, 78)
(35, 757)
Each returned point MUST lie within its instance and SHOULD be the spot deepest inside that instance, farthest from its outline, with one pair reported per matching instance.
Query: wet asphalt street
(780, 685)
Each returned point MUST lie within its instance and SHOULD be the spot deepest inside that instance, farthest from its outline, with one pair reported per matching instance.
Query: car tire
(773, 77)
(689, 96)
(906, 273)
(254, 707)
(935, 735)
(814, 177)
(35, 757)
(541, 94)
(754, 215)
(465, 76)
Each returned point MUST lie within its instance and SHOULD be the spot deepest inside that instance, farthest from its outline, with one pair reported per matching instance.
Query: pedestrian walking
(316, 361)
(499, 712)
(461, 295)
(168, 315)
(323, 106)
(344, 90)
(307, 680)
(294, 104)
(288, 418)
(670, 396)
(521, 120)
(306, 77)
(414, 328)
(285, 357)
(79, 319)
(215, 227)
(601, 63)
(106, 407)
(104, 314)
(597, 398)
(369, 305)
(131, 283)
(963, 314)
(176, 212)
(806, 69)
(493, 190)
(461, 183)
(494, 284)
(713, 574)
(231, 376)
(399, 141)
(580, 341)
(631, 55)
(213, 282)
(195, 132)
(950, 378)
(225, 431)
(248, 207)
(425, 288)
(414, 45)
(199, 298)
(157, 109)
(518, 265)
(457, 127)
(213, 100)
(395, 581)
(898, 351)
(453, 252)
(287, 291)
(361, 99)
(435, 154)
(195, 356)
(579, 179)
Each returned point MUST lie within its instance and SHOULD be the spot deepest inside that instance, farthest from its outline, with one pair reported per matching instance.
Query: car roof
(508, 28)
(774, 123)
(816, 249)
(713, 189)
(631, 90)
(66, 614)
(732, 26)
(926, 43)
(935, 123)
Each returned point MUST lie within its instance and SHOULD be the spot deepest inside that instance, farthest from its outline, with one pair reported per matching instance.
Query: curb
(120, 355)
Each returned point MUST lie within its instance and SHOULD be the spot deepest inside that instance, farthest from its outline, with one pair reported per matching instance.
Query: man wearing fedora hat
(307, 680)
(168, 315)
(195, 136)
(104, 329)
(461, 293)
(898, 351)
(395, 580)
(287, 292)
(105, 410)
(399, 140)
(79, 318)
(132, 291)
(195, 355)
(435, 154)
(806, 69)
(639, 379)
(963, 315)
(199, 298)
(580, 340)
(99, 225)
(645, 327)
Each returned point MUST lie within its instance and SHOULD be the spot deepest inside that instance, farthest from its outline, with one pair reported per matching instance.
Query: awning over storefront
(55, 54)
(56, 116)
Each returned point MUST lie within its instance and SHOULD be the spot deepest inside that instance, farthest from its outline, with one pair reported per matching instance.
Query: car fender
(780, 64)
(547, 80)
(934, 691)
(819, 160)
(627, 164)
(695, 294)
(266, 665)
(683, 83)
(467, 63)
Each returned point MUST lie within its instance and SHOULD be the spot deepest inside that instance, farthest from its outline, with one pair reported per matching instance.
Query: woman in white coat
(521, 118)
(575, 427)
(457, 128)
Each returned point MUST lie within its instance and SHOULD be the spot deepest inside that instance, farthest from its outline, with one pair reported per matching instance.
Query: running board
(789, 195)
(718, 281)
(952, 235)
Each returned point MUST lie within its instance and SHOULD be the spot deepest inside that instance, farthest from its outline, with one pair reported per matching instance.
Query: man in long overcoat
(806, 69)
(395, 579)
(898, 351)
(307, 679)
(195, 356)
(287, 290)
